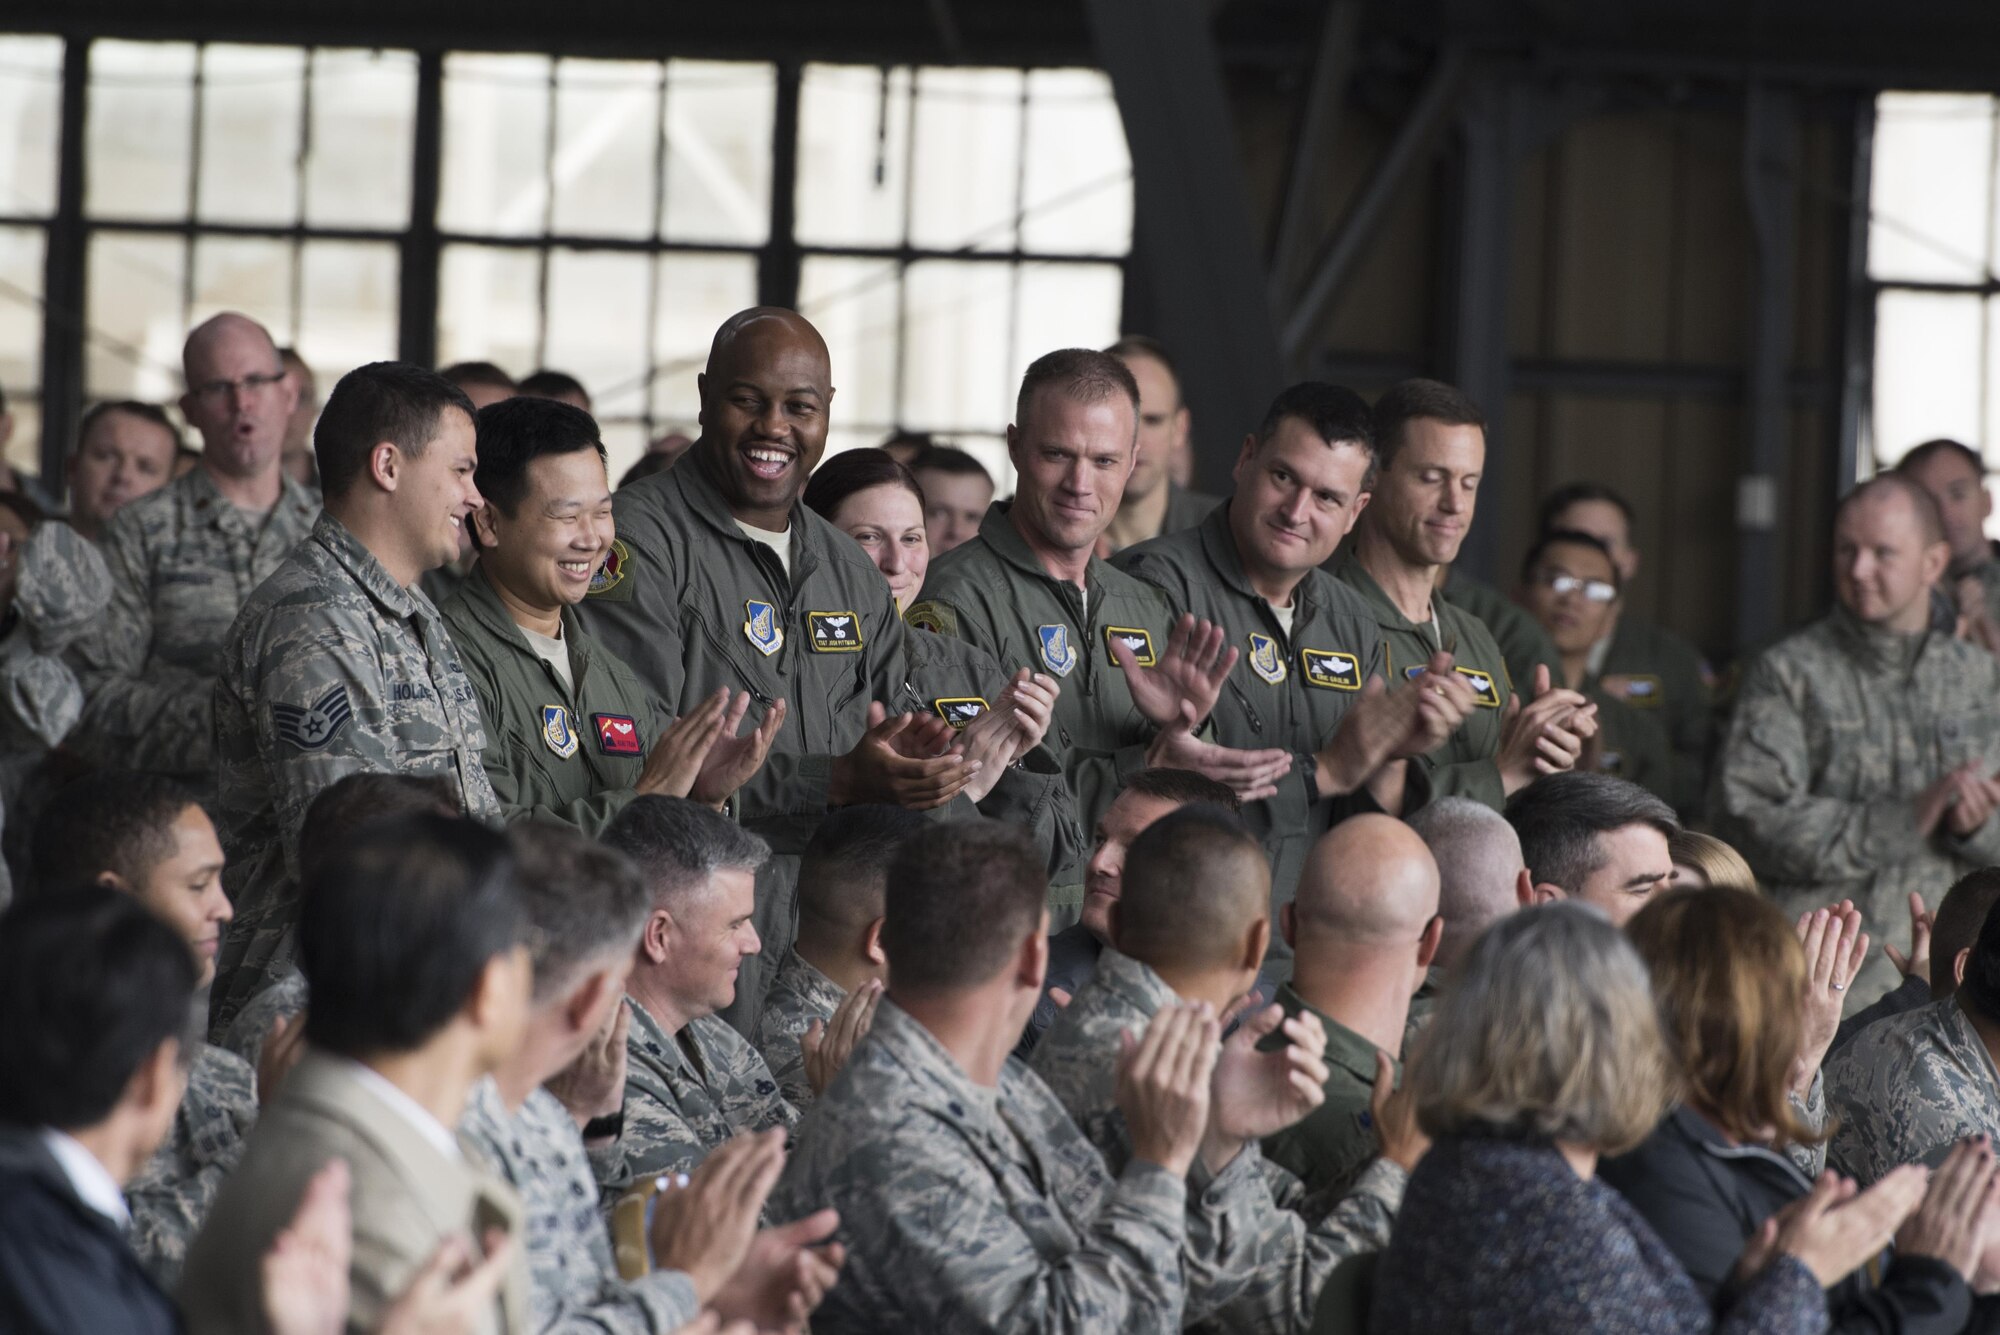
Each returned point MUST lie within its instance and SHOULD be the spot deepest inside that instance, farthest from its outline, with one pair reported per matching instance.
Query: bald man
(1191, 927)
(184, 558)
(721, 579)
(1860, 761)
(1363, 929)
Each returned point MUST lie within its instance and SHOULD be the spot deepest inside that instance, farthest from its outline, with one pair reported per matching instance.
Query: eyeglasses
(1593, 590)
(216, 391)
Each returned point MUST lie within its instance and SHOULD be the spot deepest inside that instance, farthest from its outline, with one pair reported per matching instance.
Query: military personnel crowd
(783, 892)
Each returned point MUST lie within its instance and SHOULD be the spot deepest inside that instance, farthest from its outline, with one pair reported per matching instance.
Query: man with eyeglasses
(184, 558)
(1571, 583)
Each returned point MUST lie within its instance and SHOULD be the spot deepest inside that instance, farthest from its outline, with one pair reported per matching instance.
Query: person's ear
(111, 880)
(1288, 925)
(1524, 889)
(1937, 559)
(385, 465)
(871, 944)
(1243, 460)
(1256, 942)
(656, 941)
(1031, 962)
(1547, 894)
(586, 1003)
(1958, 964)
(156, 1087)
(1014, 446)
(505, 981)
(484, 533)
(1427, 944)
(701, 399)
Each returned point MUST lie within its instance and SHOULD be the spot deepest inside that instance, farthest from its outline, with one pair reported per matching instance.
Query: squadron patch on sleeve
(312, 727)
(609, 581)
(934, 616)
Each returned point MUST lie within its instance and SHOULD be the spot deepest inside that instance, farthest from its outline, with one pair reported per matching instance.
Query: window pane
(489, 306)
(30, 124)
(1931, 187)
(607, 149)
(719, 151)
(139, 130)
(967, 156)
(1077, 178)
(597, 324)
(496, 128)
(364, 106)
(135, 299)
(1927, 370)
(248, 274)
(348, 306)
(1066, 306)
(20, 321)
(956, 359)
(854, 135)
(854, 305)
(697, 293)
(252, 105)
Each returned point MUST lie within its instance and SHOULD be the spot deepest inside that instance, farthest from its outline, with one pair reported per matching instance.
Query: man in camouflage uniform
(1860, 761)
(1908, 1088)
(185, 558)
(1193, 921)
(1955, 476)
(1030, 589)
(1641, 663)
(1308, 642)
(726, 580)
(691, 1081)
(968, 1199)
(1153, 504)
(339, 663)
(839, 945)
(1430, 441)
(146, 835)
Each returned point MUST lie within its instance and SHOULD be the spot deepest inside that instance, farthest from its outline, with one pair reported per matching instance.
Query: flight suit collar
(1008, 544)
(1346, 567)
(1218, 544)
(704, 499)
(482, 602)
(358, 561)
(1344, 1048)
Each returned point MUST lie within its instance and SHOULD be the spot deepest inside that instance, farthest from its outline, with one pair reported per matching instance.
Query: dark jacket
(64, 1268)
(1706, 1197)
(1501, 1237)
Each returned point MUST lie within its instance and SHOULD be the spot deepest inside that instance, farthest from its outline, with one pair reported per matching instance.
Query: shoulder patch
(557, 731)
(835, 632)
(311, 727)
(1331, 670)
(610, 581)
(1136, 638)
(934, 616)
(1265, 660)
(1635, 688)
(1058, 654)
(1484, 687)
(761, 627)
(960, 710)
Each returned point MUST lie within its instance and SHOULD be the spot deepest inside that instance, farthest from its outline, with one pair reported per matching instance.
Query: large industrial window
(942, 225)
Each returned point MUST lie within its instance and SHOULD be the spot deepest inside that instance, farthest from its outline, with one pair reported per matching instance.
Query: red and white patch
(617, 734)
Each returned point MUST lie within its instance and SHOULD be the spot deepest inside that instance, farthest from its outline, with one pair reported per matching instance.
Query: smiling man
(572, 734)
(339, 663)
(1860, 761)
(1594, 838)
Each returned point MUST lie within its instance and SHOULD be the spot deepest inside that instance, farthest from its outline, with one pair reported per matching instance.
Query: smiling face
(712, 936)
(1296, 498)
(1424, 498)
(889, 524)
(185, 888)
(764, 403)
(1573, 592)
(1072, 460)
(1637, 866)
(435, 492)
(546, 551)
(1103, 879)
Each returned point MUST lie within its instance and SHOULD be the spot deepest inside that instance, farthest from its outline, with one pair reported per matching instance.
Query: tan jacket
(407, 1198)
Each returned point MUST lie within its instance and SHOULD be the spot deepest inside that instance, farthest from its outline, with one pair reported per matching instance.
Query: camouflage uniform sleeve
(1811, 1109)
(1764, 799)
(160, 720)
(170, 1197)
(656, 1139)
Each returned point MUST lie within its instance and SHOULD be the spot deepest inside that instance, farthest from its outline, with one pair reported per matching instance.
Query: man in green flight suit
(1430, 441)
(571, 733)
(1136, 686)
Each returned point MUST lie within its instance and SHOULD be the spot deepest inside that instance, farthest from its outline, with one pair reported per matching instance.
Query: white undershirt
(780, 543)
(91, 1180)
(1284, 615)
(407, 1108)
(551, 650)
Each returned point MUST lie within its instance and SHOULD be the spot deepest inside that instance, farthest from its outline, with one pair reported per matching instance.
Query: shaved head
(1195, 883)
(1479, 864)
(766, 322)
(239, 396)
(1369, 884)
(228, 328)
(765, 400)
(1897, 490)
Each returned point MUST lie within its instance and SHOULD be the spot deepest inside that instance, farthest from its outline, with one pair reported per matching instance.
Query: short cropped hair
(1960, 918)
(679, 845)
(846, 863)
(1567, 537)
(478, 373)
(1718, 862)
(1727, 974)
(1560, 816)
(1918, 454)
(1930, 519)
(349, 804)
(151, 413)
(396, 927)
(91, 983)
(587, 902)
(1182, 786)
(382, 401)
(1408, 401)
(1080, 374)
(960, 899)
(1473, 846)
(1548, 1030)
(1191, 890)
(856, 470)
(1336, 414)
(515, 432)
(1145, 345)
(118, 821)
(548, 384)
(952, 462)
(1576, 493)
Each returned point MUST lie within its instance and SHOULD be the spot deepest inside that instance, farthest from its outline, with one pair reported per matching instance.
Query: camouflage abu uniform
(799, 995)
(280, 999)
(183, 561)
(576, 1290)
(1273, 1264)
(170, 1196)
(1907, 1089)
(331, 670)
(971, 1208)
(685, 1094)
(1837, 729)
